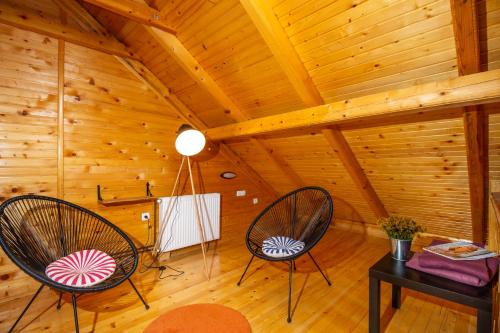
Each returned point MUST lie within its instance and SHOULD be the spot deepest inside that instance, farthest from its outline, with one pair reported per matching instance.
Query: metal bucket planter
(400, 249)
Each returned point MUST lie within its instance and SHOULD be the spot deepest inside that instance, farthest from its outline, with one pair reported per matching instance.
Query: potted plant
(401, 230)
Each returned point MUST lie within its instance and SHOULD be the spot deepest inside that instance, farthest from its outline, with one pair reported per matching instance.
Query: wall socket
(255, 201)
(145, 216)
(241, 193)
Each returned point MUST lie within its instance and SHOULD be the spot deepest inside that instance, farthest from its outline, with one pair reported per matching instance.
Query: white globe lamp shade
(190, 142)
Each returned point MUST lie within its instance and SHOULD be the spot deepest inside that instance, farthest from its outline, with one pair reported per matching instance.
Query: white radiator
(181, 228)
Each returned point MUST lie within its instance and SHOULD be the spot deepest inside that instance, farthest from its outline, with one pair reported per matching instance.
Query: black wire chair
(36, 230)
(303, 215)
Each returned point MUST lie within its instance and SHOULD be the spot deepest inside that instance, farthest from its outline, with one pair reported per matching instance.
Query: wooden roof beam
(466, 30)
(140, 13)
(173, 46)
(341, 147)
(142, 73)
(183, 57)
(262, 15)
(152, 82)
(278, 161)
(36, 22)
(474, 89)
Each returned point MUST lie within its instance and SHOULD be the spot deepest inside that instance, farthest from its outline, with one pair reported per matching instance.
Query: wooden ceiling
(228, 62)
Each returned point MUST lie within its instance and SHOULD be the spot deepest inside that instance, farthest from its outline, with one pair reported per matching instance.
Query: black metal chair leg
(314, 261)
(289, 319)
(246, 269)
(59, 301)
(26, 308)
(294, 265)
(75, 313)
(140, 297)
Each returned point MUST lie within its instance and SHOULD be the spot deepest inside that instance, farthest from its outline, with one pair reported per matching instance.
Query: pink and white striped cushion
(82, 268)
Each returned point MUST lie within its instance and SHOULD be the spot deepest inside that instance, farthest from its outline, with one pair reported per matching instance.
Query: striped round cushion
(82, 268)
(281, 246)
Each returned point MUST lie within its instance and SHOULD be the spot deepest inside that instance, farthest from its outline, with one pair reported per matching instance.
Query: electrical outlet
(145, 216)
(255, 201)
(241, 193)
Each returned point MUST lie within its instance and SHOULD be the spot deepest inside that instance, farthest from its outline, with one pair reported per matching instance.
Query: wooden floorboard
(262, 297)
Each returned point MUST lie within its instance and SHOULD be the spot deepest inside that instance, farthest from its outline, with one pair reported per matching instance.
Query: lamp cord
(144, 266)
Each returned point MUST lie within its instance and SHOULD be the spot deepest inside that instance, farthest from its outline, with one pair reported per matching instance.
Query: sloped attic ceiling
(349, 49)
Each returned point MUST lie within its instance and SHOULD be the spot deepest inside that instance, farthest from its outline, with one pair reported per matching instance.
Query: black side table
(396, 273)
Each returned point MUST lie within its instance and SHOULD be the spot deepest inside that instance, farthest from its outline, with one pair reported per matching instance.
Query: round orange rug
(200, 318)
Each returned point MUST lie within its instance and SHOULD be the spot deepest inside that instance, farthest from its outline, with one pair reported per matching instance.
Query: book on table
(460, 250)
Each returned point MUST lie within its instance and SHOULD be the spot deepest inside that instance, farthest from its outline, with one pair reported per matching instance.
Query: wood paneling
(222, 38)
(494, 218)
(28, 121)
(494, 146)
(38, 21)
(28, 139)
(473, 89)
(117, 134)
(344, 152)
(120, 142)
(312, 158)
(489, 18)
(352, 48)
(419, 170)
(262, 16)
(135, 11)
(162, 92)
(226, 43)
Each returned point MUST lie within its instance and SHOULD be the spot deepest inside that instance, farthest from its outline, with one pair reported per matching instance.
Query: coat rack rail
(125, 201)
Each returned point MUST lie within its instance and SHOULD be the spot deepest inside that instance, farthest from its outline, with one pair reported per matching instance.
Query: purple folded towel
(472, 272)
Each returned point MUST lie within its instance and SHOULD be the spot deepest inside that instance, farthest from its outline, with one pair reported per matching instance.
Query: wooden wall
(419, 170)
(316, 164)
(494, 157)
(490, 33)
(349, 48)
(116, 134)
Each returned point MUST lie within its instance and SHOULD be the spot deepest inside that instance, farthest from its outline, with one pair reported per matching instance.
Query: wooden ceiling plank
(262, 15)
(38, 23)
(473, 89)
(344, 152)
(185, 59)
(466, 31)
(153, 83)
(173, 46)
(83, 17)
(142, 73)
(278, 161)
(140, 13)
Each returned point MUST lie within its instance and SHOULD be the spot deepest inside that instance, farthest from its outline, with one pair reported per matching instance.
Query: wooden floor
(262, 298)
